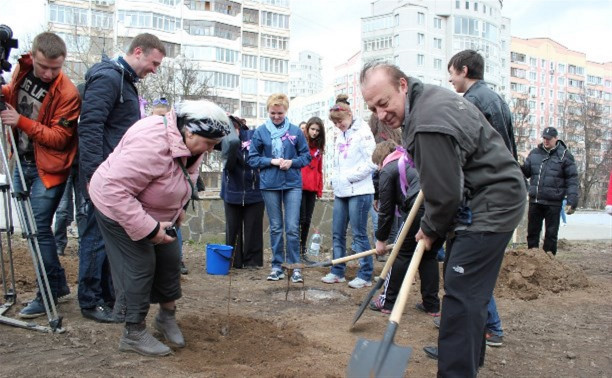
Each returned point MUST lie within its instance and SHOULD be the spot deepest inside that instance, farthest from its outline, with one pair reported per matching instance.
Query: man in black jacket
(553, 176)
(476, 207)
(110, 107)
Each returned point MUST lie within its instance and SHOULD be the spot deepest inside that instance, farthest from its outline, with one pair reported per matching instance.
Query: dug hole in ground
(556, 314)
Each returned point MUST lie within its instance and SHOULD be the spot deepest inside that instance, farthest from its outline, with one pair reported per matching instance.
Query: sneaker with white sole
(276, 275)
(358, 283)
(296, 277)
(331, 278)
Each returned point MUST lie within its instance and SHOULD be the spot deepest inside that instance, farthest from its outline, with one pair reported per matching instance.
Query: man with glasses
(552, 175)
(110, 107)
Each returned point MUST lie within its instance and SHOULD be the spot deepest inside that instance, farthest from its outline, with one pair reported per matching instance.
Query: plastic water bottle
(315, 244)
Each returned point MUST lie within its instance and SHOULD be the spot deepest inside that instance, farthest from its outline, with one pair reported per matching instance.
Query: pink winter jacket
(141, 182)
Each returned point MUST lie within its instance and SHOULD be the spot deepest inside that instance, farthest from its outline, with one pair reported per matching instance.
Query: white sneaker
(358, 283)
(331, 278)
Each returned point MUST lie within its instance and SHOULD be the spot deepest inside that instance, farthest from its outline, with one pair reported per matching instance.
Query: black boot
(165, 323)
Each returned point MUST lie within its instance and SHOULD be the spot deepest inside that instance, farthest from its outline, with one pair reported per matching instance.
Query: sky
(332, 28)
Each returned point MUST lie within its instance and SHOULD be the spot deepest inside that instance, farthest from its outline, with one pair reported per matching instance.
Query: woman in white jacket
(353, 190)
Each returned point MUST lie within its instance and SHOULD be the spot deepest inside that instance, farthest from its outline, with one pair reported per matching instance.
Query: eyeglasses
(161, 101)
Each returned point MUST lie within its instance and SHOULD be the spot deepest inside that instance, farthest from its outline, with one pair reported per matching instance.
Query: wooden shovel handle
(402, 298)
(402, 236)
(357, 255)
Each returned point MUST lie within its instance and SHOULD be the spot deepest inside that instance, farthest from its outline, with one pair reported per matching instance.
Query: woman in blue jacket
(244, 205)
(279, 150)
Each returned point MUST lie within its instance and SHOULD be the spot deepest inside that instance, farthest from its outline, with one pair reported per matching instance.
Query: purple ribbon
(407, 156)
(246, 145)
(343, 147)
(317, 153)
(143, 103)
(289, 137)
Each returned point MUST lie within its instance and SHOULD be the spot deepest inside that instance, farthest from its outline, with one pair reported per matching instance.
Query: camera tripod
(25, 216)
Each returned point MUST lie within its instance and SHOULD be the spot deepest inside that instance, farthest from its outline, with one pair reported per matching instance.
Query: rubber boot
(165, 323)
(137, 339)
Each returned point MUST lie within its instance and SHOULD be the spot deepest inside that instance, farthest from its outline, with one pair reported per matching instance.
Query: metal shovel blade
(367, 300)
(363, 362)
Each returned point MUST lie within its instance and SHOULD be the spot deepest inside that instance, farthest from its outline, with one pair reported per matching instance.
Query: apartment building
(347, 82)
(305, 75)
(241, 48)
(420, 36)
(545, 76)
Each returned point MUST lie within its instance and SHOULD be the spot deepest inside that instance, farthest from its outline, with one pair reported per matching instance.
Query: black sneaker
(494, 340)
(101, 314)
(431, 352)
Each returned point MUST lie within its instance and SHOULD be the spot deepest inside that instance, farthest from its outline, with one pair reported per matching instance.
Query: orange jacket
(53, 134)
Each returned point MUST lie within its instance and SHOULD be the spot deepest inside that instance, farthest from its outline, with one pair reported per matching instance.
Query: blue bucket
(218, 259)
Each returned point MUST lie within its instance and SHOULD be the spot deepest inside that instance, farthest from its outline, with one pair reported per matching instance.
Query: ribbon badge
(246, 144)
(142, 102)
(289, 137)
(343, 148)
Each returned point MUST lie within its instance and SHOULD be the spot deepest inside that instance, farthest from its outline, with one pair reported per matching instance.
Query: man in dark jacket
(42, 107)
(476, 208)
(466, 70)
(110, 107)
(553, 176)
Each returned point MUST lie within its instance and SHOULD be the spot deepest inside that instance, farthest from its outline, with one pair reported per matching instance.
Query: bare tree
(584, 126)
(520, 120)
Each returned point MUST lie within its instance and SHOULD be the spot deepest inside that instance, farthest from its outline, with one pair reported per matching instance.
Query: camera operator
(42, 107)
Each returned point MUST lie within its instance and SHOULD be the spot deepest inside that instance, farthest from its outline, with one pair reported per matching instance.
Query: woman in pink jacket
(140, 193)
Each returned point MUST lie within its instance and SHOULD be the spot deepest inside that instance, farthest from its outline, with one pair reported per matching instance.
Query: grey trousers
(146, 273)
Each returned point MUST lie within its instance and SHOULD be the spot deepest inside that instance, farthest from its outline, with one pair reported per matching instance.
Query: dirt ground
(556, 314)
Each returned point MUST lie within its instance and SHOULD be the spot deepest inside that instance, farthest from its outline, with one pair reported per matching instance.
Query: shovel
(340, 260)
(398, 244)
(384, 358)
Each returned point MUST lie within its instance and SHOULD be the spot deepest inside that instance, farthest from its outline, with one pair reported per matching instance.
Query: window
(210, 28)
(532, 105)
(249, 39)
(420, 59)
(437, 23)
(533, 76)
(533, 62)
(561, 81)
(249, 62)
(561, 68)
(379, 43)
(222, 80)
(249, 86)
(457, 4)
(248, 109)
(594, 80)
(274, 20)
(420, 39)
(250, 16)
(517, 57)
(560, 95)
(378, 23)
(467, 5)
(575, 83)
(273, 65)
(274, 87)
(420, 18)
(437, 42)
(438, 64)
(274, 42)
(543, 61)
(517, 72)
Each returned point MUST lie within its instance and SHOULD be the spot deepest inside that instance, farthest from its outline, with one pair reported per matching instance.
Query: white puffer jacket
(353, 167)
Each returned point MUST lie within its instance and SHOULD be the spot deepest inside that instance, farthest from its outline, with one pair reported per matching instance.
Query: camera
(6, 44)
(171, 231)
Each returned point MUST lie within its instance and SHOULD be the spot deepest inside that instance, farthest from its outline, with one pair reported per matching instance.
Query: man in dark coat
(469, 203)
(110, 107)
(553, 177)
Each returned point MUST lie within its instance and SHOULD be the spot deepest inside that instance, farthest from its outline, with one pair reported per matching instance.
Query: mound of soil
(529, 273)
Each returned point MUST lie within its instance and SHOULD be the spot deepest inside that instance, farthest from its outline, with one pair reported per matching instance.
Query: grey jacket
(462, 162)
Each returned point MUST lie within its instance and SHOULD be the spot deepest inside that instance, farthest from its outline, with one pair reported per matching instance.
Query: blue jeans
(493, 321)
(355, 210)
(291, 200)
(563, 216)
(65, 211)
(44, 203)
(374, 216)
(95, 283)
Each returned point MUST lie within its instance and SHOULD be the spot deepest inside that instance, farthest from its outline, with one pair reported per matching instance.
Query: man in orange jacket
(42, 108)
